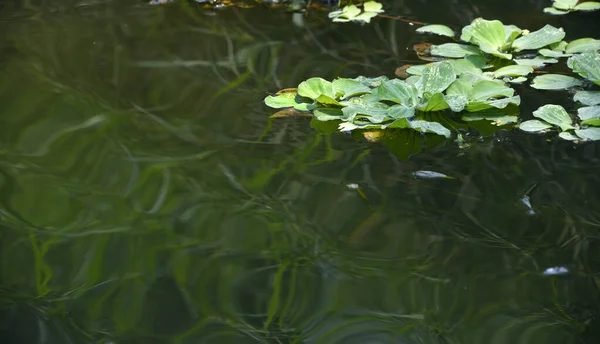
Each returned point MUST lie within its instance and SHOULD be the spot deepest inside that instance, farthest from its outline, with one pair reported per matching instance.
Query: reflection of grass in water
(273, 250)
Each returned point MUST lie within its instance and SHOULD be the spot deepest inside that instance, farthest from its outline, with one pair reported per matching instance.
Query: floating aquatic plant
(364, 103)
(352, 13)
(556, 117)
(560, 7)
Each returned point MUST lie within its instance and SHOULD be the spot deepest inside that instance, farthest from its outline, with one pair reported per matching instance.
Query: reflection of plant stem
(402, 19)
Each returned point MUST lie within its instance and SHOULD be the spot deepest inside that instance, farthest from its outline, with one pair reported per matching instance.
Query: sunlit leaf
(315, 87)
(592, 134)
(554, 114)
(373, 112)
(554, 82)
(456, 102)
(372, 6)
(437, 29)
(567, 135)
(400, 111)
(436, 78)
(486, 89)
(345, 88)
(553, 53)
(513, 70)
(371, 82)
(534, 125)
(564, 4)
(435, 103)
(289, 99)
(588, 112)
(328, 114)
(588, 6)
(489, 35)
(416, 70)
(454, 50)
(587, 97)
(554, 11)
(538, 61)
(538, 39)
(496, 119)
(398, 91)
(430, 127)
(586, 64)
(582, 44)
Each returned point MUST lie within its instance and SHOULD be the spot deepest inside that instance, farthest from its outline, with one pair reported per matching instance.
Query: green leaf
(365, 17)
(554, 82)
(538, 61)
(289, 99)
(346, 14)
(518, 80)
(399, 91)
(534, 125)
(373, 112)
(513, 70)
(437, 29)
(454, 50)
(416, 69)
(586, 64)
(589, 112)
(345, 88)
(430, 127)
(591, 134)
(588, 6)
(554, 11)
(538, 39)
(372, 6)
(460, 87)
(456, 102)
(485, 89)
(564, 4)
(436, 78)
(328, 114)
(313, 88)
(498, 120)
(552, 53)
(400, 111)
(567, 135)
(587, 97)
(554, 114)
(582, 44)
(371, 82)
(435, 103)
(475, 106)
(489, 35)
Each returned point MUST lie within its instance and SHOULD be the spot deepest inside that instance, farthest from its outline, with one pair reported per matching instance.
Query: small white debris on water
(352, 186)
(556, 270)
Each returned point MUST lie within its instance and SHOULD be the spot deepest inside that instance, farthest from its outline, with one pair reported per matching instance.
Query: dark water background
(146, 198)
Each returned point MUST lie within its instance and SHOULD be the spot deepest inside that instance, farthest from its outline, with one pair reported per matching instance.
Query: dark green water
(146, 198)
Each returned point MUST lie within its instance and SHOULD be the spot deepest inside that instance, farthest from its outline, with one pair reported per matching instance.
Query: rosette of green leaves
(555, 117)
(493, 38)
(560, 7)
(348, 13)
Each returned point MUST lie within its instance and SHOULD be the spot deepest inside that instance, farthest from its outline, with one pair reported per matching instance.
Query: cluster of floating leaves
(466, 81)
(349, 13)
(560, 7)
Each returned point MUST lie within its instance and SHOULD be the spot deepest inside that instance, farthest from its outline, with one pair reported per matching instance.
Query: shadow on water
(145, 197)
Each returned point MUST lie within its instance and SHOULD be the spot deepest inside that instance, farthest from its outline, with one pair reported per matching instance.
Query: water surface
(145, 197)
